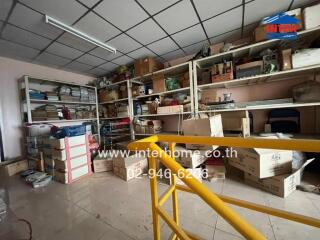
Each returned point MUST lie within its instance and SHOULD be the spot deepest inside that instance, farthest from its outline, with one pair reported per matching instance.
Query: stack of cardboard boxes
(268, 169)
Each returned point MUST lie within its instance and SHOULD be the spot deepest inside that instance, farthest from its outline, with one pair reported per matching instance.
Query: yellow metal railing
(216, 202)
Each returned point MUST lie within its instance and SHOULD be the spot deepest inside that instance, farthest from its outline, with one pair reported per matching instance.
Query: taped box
(211, 126)
(102, 165)
(188, 158)
(130, 167)
(282, 185)
(262, 163)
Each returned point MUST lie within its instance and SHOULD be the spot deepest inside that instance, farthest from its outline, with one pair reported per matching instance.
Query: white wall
(10, 71)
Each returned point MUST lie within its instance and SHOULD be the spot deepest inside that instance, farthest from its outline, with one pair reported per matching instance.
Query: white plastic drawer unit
(73, 141)
(73, 151)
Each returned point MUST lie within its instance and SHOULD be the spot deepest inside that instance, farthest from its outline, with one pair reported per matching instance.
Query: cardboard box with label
(190, 159)
(130, 167)
(211, 126)
(281, 185)
(146, 65)
(262, 163)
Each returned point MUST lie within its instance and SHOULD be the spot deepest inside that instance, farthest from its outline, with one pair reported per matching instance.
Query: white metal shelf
(262, 107)
(65, 121)
(163, 93)
(263, 78)
(164, 114)
(161, 133)
(113, 118)
(114, 101)
(114, 84)
(58, 102)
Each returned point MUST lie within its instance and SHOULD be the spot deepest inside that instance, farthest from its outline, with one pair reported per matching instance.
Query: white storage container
(311, 16)
(306, 57)
(73, 151)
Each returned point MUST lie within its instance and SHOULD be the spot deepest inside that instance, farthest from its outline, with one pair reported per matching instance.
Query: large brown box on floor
(281, 185)
(146, 65)
(14, 168)
(262, 163)
(222, 72)
(102, 165)
(159, 83)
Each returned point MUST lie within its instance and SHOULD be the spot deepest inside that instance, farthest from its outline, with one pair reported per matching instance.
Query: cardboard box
(262, 163)
(122, 111)
(102, 165)
(241, 42)
(130, 167)
(159, 83)
(249, 69)
(73, 153)
(148, 126)
(146, 65)
(286, 59)
(282, 185)
(190, 159)
(311, 16)
(209, 96)
(14, 168)
(170, 109)
(205, 78)
(123, 91)
(76, 174)
(236, 121)
(222, 72)
(106, 95)
(73, 141)
(74, 163)
(216, 48)
(185, 80)
(211, 126)
(260, 34)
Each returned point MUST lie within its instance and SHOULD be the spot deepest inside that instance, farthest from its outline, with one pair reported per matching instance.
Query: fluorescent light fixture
(79, 34)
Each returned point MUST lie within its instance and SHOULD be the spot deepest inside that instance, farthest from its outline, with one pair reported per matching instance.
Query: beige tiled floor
(105, 207)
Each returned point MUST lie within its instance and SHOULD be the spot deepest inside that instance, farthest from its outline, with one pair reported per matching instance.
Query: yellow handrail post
(174, 192)
(154, 197)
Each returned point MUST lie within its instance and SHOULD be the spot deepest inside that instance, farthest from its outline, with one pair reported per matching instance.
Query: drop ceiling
(165, 29)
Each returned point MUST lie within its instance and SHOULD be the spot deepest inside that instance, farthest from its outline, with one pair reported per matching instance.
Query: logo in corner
(281, 26)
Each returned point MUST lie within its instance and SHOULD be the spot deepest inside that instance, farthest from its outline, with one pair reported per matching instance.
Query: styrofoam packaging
(74, 152)
(73, 141)
(311, 16)
(306, 57)
(75, 162)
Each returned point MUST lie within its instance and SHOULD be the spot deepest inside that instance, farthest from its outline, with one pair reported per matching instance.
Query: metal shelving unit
(43, 84)
(208, 62)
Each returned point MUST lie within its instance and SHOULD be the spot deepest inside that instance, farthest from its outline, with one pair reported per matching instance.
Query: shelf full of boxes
(115, 110)
(244, 76)
(162, 99)
(49, 103)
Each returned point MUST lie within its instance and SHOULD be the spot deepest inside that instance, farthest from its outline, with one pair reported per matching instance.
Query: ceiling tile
(141, 53)
(209, 8)
(96, 27)
(12, 50)
(98, 71)
(5, 6)
(178, 17)
(89, 3)
(154, 6)
(302, 3)
(219, 24)
(75, 42)
(189, 36)
(29, 39)
(124, 43)
(51, 60)
(163, 46)
(102, 53)
(33, 21)
(122, 13)
(173, 55)
(108, 66)
(67, 11)
(90, 60)
(147, 32)
(227, 37)
(77, 66)
(195, 48)
(63, 50)
(258, 9)
(123, 60)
